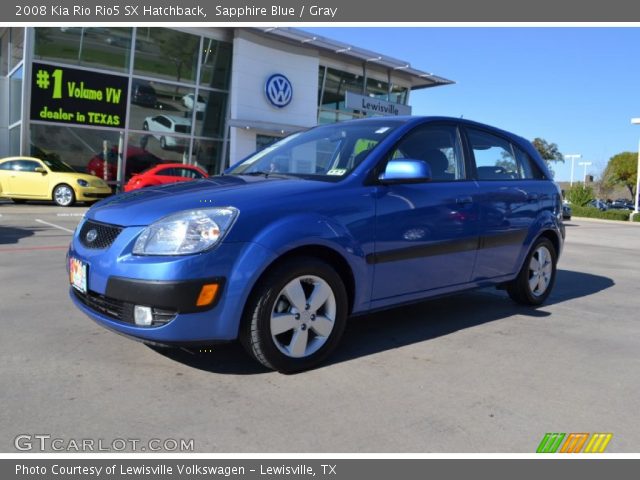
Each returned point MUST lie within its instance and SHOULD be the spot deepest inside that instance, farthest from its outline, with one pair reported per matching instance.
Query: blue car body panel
(401, 242)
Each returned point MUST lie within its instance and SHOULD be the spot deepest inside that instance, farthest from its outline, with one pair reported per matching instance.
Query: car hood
(147, 205)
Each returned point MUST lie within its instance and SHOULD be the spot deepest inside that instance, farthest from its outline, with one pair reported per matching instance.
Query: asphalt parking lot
(469, 373)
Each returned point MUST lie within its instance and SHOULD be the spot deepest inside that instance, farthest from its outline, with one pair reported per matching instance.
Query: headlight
(186, 232)
(83, 183)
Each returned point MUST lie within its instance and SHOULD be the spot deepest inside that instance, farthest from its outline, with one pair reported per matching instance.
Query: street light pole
(636, 121)
(573, 157)
(584, 175)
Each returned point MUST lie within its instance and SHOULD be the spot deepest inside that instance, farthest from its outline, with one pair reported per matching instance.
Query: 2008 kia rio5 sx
(336, 221)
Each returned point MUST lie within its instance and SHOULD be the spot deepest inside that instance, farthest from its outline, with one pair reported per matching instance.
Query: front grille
(105, 234)
(119, 310)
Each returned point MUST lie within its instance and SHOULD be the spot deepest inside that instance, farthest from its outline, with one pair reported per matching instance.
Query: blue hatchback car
(336, 221)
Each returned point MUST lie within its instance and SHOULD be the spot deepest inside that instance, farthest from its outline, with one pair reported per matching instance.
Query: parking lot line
(27, 249)
(54, 225)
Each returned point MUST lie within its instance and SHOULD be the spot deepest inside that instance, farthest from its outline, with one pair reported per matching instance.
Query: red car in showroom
(165, 173)
(138, 160)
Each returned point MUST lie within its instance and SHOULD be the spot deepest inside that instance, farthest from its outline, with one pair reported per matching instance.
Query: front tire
(535, 281)
(64, 195)
(296, 315)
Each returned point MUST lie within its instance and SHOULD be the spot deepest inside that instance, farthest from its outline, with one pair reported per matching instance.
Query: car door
(24, 181)
(426, 233)
(5, 172)
(509, 203)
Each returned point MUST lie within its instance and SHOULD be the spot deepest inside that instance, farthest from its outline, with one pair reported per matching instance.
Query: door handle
(464, 200)
(532, 197)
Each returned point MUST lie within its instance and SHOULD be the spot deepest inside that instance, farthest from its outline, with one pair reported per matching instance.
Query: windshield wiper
(260, 173)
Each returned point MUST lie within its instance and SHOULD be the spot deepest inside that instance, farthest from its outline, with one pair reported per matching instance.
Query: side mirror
(406, 171)
(41, 170)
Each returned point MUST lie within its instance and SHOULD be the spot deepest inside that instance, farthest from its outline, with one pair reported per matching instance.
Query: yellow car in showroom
(29, 178)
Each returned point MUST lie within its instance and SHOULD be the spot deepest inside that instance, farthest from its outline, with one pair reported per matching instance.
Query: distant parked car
(162, 174)
(163, 127)
(137, 161)
(187, 101)
(144, 94)
(599, 204)
(621, 204)
(30, 178)
(566, 211)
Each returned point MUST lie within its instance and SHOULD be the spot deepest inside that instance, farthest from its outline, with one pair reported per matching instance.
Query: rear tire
(535, 281)
(296, 315)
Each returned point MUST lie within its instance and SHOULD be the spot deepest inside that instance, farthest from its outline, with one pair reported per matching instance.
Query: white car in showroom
(188, 101)
(164, 126)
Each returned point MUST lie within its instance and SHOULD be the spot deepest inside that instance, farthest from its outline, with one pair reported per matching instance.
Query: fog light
(142, 315)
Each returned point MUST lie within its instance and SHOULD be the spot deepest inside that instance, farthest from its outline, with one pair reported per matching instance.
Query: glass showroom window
(336, 84)
(4, 51)
(216, 64)
(149, 98)
(207, 154)
(104, 47)
(82, 148)
(166, 54)
(377, 89)
(398, 94)
(17, 46)
(14, 141)
(15, 96)
(211, 109)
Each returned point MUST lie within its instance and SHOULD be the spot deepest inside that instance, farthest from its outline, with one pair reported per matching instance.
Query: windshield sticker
(337, 171)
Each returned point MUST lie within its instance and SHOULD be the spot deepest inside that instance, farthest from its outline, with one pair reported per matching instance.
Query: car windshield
(329, 152)
(56, 165)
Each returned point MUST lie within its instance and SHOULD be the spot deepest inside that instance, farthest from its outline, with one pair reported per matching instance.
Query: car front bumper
(88, 194)
(117, 281)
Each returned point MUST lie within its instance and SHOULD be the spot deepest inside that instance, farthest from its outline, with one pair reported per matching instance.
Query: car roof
(7, 159)
(175, 119)
(417, 119)
(175, 165)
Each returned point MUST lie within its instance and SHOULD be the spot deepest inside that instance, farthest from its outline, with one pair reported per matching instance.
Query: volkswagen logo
(279, 90)
(91, 235)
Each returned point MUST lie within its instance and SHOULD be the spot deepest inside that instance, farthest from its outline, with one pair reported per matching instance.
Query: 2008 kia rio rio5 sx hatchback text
(337, 221)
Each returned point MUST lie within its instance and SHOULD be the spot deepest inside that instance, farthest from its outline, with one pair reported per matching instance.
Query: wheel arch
(553, 237)
(322, 252)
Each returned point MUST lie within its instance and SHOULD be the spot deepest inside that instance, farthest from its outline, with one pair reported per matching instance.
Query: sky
(577, 87)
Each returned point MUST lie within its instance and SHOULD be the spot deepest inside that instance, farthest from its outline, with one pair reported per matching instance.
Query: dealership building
(203, 96)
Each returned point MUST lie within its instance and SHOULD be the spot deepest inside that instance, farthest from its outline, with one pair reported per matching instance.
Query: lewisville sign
(81, 97)
(375, 105)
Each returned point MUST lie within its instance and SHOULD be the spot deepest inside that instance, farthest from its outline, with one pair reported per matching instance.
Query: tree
(580, 194)
(548, 151)
(622, 170)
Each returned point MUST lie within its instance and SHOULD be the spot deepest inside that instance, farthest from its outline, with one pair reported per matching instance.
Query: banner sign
(71, 95)
(375, 105)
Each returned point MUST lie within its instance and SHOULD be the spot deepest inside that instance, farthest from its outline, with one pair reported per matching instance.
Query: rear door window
(494, 156)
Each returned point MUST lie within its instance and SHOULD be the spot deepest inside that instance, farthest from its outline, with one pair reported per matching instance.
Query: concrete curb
(602, 220)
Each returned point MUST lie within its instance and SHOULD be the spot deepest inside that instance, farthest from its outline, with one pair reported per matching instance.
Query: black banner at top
(325, 11)
(70, 95)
